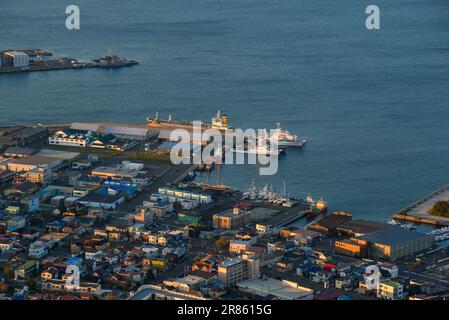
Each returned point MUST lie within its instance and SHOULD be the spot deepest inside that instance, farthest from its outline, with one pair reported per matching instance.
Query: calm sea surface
(374, 104)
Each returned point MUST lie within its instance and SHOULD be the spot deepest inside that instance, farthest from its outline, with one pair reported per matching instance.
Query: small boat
(408, 226)
(113, 61)
(393, 222)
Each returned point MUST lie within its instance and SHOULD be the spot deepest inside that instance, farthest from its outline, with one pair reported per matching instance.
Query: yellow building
(156, 263)
(350, 247)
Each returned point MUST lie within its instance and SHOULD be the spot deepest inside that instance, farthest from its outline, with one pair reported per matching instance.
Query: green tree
(8, 271)
(221, 243)
(440, 208)
(31, 283)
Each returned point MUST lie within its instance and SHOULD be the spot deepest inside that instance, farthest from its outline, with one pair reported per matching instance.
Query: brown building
(31, 162)
(351, 248)
(394, 243)
(329, 224)
(232, 219)
(355, 228)
(22, 136)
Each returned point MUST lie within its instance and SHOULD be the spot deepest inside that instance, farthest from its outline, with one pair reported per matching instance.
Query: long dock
(284, 219)
(417, 211)
(63, 66)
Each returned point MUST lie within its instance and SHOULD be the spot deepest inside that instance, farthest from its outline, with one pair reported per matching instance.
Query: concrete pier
(418, 211)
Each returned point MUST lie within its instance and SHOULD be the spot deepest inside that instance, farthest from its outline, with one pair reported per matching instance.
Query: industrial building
(104, 201)
(115, 173)
(31, 162)
(359, 227)
(122, 131)
(395, 242)
(38, 55)
(21, 136)
(19, 152)
(351, 248)
(328, 225)
(387, 244)
(178, 194)
(15, 59)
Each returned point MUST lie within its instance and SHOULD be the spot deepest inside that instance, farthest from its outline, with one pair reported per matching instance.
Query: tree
(150, 274)
(440, 208)
(221, 243)
(30, 283)
(8, 271)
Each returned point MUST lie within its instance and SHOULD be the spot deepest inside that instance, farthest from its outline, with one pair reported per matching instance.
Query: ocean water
(373, 104)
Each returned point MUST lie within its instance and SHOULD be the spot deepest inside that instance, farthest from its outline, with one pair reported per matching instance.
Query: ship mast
(284, 189)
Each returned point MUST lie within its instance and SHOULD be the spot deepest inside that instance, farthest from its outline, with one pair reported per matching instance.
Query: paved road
(171, 174)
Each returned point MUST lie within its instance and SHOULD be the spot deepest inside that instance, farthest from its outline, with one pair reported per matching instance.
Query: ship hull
(298, 144)
(174, 125)
(315, 212)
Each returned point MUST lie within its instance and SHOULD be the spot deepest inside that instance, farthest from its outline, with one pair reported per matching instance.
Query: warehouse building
(328, 225)
(31, 162)
(387, 244)
(179, 194)
(114, 173)
(359, 227)
(16, 59)
(19, 152)
(105, 201)
(122, 131)
(21, 136)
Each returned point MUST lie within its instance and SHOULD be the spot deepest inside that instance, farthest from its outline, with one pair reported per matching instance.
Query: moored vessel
(219, 122)
(315, 207)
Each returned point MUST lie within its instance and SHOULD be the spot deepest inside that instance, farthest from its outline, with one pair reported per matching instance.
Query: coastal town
(96, 211)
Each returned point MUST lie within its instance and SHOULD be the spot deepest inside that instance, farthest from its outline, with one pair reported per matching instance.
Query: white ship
(285, 139)
(259, 150)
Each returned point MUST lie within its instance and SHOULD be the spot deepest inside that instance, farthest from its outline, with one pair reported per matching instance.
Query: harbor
(92, 177)
(30, 60)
